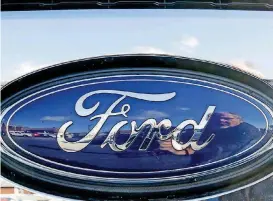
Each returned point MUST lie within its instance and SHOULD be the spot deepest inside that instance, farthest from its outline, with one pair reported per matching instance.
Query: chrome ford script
(135, 130)
(137, 124)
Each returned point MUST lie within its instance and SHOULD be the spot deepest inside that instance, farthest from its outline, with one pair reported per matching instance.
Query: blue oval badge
(148, 125)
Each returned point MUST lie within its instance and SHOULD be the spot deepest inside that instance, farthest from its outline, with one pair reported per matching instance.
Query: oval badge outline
(267, 108)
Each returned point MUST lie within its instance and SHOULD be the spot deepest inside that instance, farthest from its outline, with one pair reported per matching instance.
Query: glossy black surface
(15, 5)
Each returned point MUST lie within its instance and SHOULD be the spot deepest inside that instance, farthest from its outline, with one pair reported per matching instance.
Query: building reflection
(22, 131)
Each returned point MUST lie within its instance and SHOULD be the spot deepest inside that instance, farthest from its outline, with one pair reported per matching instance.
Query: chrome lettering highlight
(154, 127)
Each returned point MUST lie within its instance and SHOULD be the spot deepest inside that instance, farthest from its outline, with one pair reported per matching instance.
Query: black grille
(18, 5)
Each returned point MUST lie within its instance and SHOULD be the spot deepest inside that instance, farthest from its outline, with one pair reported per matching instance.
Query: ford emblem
(131, 126)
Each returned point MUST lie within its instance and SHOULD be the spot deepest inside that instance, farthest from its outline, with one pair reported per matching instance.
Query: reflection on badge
(137, 124)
